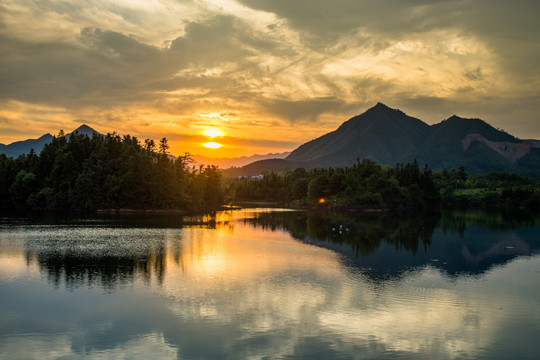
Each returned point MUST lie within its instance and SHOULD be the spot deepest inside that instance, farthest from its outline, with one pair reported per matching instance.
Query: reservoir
(270, 284)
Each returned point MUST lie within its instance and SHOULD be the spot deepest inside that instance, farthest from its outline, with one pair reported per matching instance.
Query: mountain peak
(85, 130)
(389, 136)
(84, 127)
(383, 108)
(381, 133)
(380, 105)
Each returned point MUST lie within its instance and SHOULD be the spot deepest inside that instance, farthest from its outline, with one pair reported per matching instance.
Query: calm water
(274, 284)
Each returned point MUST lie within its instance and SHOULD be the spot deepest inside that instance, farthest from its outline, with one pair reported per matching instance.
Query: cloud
(302, 110)
(324, 21)
(268, 61)
(475, 74)
(508, 28)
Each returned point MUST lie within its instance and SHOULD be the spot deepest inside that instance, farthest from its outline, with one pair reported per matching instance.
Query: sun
(212, 133)
(212, 145)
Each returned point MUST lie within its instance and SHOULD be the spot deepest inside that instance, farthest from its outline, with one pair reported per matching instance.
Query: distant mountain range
(24, 147)
(225, 163)
(389, 136)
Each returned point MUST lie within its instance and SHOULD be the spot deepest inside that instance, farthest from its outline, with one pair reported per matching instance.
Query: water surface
(263, 283)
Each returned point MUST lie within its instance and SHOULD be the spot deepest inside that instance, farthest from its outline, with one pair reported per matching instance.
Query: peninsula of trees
(107, 172)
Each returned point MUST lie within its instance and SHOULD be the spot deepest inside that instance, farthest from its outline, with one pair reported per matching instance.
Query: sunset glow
(212, 145)
(213, 133)
(262, 76)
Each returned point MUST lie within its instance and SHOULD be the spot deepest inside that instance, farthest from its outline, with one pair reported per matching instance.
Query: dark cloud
(215, 41)
(302, 110)
(475, 74)
(108, 67)
(111, 68)
(511, 28)
(325, 20)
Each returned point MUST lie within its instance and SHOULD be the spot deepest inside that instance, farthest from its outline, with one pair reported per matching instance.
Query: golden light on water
(212, 145)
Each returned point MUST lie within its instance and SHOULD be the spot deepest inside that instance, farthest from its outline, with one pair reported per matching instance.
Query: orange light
(322, 201)
(212, 145)
(212, 133)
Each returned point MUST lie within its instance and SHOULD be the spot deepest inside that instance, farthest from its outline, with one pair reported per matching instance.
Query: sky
(262, 76)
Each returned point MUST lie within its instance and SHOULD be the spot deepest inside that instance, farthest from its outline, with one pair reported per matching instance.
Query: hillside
(389, 136)
(381, 134)
(225, 163)
(257, 167)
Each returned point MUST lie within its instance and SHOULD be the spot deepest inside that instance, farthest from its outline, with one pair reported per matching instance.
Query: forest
(120, 172)
(367, 185)
(107, 172)
(488, 190)
(364, 185)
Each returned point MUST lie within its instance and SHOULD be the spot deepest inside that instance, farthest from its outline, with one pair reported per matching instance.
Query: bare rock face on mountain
(512, 151)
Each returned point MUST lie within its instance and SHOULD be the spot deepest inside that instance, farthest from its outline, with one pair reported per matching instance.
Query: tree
(24, 184)
(150, 145)
(163, 146)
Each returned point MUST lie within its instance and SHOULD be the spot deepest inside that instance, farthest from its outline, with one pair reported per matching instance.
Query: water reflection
(110, 251)
(276, 284)
(388, 244)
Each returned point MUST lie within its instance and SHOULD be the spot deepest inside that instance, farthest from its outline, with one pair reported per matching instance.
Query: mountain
(225, 163)
(24, 147)
(254, 169)
(382, 134)
(389, 136)
(84, 130)
(471, 143)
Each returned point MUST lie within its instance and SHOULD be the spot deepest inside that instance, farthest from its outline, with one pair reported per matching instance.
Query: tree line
(110, 172)
(494, 189)
(365, 184)
(369, 185)
(120, 172)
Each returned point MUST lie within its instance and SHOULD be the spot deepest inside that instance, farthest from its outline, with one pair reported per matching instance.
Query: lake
(270, 283)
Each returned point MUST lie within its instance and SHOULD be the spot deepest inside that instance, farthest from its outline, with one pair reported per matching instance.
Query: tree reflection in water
(386, 244)
(98, 251)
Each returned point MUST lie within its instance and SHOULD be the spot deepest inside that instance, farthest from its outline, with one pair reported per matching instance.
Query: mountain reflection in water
(386, 244)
